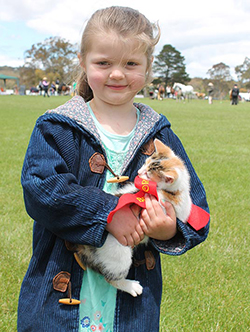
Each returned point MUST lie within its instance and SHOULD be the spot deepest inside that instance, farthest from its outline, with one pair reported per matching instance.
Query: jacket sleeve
(74, 210)
(186, 237)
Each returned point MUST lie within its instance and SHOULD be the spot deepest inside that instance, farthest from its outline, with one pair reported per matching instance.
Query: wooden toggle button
(79, 261)
(69, 301)
(118, 179)
(61, 282)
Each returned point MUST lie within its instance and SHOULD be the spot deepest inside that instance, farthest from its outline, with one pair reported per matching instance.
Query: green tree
(55, 57)
(243, 72)
(220, 72)
(221, 78)
(169, 64)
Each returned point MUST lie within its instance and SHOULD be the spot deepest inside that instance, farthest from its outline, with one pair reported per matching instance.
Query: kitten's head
(163, 167)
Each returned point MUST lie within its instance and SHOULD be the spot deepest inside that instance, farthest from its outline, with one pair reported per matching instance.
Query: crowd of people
(160, 92)
(54, 88)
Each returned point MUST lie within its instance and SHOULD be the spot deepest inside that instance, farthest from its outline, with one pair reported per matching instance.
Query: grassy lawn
(207, 289)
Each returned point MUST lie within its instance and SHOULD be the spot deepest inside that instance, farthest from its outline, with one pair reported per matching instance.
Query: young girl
(66, 192)
(45, 85)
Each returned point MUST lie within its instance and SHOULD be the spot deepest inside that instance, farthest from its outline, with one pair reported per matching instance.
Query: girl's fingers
(152, 207)
(140, 231)
(136, 238)
(143, 226)
(170, 211)
(123, 241)
(130, 241)
(136, 210)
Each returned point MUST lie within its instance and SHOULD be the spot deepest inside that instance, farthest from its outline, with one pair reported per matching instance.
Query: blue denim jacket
(66, 200)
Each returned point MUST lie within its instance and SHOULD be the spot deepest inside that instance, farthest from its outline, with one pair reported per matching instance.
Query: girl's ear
(150, 64)
(148, 77)
(80, 60)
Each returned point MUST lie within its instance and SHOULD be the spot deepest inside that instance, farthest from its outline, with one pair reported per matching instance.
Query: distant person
(235, 94)
(151, 91)
(178, 94)
(168, 91)
(40, 86)
(161, 91)
(57, 84)
(74, 89)
(210, 92)
(46, 87)
(52, 88)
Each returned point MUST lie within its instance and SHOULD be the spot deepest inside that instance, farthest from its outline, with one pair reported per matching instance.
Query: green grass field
(205, 290)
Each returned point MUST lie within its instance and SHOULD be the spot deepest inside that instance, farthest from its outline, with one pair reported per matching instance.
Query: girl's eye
(131, 63)
(103, 63)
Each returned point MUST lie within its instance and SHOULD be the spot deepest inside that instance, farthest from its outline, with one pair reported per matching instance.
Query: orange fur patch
(172, 197)
(172, 163)
(161, 148)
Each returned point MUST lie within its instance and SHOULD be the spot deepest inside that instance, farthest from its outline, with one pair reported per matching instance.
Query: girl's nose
(117, 74)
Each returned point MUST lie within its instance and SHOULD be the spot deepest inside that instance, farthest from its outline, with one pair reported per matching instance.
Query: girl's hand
(125, 227)
(157, 223)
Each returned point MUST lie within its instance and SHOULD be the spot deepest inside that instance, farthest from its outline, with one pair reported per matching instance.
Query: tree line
(56, 58)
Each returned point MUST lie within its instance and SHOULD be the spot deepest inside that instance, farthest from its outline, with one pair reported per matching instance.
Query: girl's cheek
(95, 80)
(139, 80)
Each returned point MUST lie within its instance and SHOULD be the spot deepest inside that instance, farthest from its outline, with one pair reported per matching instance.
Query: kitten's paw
(136, 288)
(132, 287)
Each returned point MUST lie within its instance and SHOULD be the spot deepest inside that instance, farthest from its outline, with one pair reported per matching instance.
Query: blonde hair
(127, 23)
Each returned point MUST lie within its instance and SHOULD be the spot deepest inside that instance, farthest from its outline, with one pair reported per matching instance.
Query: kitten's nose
(143, 173)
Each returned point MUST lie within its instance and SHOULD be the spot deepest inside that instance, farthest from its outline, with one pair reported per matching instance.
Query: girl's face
(115, 71)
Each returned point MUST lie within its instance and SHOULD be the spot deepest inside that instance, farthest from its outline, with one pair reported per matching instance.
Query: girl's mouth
(116, 87)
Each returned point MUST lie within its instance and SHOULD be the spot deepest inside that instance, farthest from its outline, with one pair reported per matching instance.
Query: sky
(205, 32)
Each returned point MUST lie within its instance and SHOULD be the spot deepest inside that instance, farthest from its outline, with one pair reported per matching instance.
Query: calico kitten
(113, 260)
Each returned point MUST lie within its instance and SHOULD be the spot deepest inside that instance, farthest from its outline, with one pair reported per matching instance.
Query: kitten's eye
(155, 166)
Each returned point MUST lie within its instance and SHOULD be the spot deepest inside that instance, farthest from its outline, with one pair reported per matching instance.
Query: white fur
(116, 257)
(128, 188)
(183, 208)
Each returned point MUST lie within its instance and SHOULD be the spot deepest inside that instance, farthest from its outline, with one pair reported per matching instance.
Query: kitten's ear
(158, 145)
(169, 179)
(162, 148)
(170, 176)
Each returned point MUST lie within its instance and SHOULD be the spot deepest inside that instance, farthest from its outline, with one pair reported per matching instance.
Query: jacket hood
(77, 110)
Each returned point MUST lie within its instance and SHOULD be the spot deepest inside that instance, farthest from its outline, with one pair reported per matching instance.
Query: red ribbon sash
(198, 217)
(144, 187)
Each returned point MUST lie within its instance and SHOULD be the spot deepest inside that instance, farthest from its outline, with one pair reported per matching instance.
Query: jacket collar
(77, 110)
